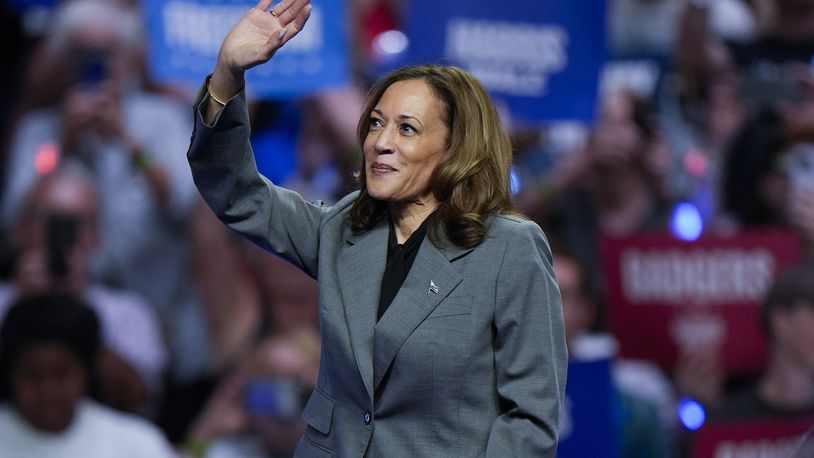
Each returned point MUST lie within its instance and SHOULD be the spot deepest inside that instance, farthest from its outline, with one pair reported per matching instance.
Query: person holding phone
(441, 319)
(95, 116)
(255, 410)
(55, 237)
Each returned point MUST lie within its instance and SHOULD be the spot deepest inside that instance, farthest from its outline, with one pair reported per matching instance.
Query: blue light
(390, 42)
(691, 413)
(686, 223)
(515, 182)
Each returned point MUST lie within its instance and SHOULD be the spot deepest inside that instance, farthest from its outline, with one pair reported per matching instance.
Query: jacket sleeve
(530, 352)
(225, 173)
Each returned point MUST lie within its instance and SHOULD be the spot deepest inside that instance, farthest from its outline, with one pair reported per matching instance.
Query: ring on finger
(273, 13)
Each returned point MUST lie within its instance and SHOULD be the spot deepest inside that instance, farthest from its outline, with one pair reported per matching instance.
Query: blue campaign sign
(588, 427)
(25, 5)
(542, 57)
(185, 37)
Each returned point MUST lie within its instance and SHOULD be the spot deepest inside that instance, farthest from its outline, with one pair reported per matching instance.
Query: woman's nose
(384, 141)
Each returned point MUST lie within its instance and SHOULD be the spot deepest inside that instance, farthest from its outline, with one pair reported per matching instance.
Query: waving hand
(254, 39)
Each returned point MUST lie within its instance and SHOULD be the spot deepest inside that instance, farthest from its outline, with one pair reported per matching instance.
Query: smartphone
(280, 398)
(62, 231)
(94, 68)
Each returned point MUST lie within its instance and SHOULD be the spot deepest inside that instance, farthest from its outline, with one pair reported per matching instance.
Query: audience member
(786, 386)
(55, 236)
(768, 179)
(767, 415)
(289, 296)
(645, 401)
(612, 186)
(94, 115)
(255, 412)
(247, 291)
(229, 291)
(49, 345)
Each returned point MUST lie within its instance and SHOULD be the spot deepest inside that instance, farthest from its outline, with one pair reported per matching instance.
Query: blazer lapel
(359, 269)
(430, 280)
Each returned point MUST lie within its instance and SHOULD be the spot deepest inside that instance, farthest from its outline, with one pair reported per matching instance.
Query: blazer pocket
(307, 449)
(318, 414)
(452, 306)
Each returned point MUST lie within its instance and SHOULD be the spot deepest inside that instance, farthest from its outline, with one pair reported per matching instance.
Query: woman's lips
(378, 168)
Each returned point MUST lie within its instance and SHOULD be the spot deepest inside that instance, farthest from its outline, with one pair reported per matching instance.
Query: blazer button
(366, 418)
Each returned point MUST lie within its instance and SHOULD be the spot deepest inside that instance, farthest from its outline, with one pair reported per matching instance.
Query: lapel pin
(433, 288)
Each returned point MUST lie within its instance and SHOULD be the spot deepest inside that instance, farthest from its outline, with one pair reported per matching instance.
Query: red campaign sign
(668, 296)
(769, 438)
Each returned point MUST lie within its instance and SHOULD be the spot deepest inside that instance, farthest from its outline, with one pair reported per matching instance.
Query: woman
(446, 345)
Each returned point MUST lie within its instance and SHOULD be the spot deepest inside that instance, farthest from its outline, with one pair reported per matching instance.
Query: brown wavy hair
(472, 181)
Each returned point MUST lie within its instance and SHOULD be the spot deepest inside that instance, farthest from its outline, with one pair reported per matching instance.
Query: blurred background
(666, 147)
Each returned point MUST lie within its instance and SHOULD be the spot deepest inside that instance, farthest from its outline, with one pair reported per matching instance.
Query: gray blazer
(470, 358)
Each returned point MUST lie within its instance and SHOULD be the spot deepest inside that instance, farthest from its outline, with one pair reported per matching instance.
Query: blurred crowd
(130, 311)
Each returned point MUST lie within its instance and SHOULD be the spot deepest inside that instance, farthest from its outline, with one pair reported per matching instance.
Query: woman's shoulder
(518, 234)
(512, 225)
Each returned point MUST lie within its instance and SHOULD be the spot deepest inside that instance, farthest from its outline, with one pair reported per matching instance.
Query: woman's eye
(408, 129)
(375, 122)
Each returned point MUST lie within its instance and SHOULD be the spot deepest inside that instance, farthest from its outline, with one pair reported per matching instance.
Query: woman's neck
(408, 216)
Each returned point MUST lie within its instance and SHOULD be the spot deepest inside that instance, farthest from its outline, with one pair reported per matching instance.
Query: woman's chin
(377, 193)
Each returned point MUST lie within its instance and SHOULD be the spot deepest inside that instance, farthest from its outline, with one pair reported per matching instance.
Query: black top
(399, 261)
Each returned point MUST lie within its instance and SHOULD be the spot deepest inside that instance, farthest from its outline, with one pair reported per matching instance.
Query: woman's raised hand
(254, 39)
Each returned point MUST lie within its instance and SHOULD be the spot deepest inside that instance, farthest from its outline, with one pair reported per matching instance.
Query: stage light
(389, 43)
(686, 222)
(691, 413)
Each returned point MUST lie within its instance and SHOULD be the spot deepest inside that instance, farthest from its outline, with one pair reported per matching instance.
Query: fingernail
(282, 33)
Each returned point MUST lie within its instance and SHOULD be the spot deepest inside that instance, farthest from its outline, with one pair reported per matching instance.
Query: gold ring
(273, 13)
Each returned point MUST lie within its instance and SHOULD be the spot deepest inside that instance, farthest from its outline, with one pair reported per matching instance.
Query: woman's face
(406, 142)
